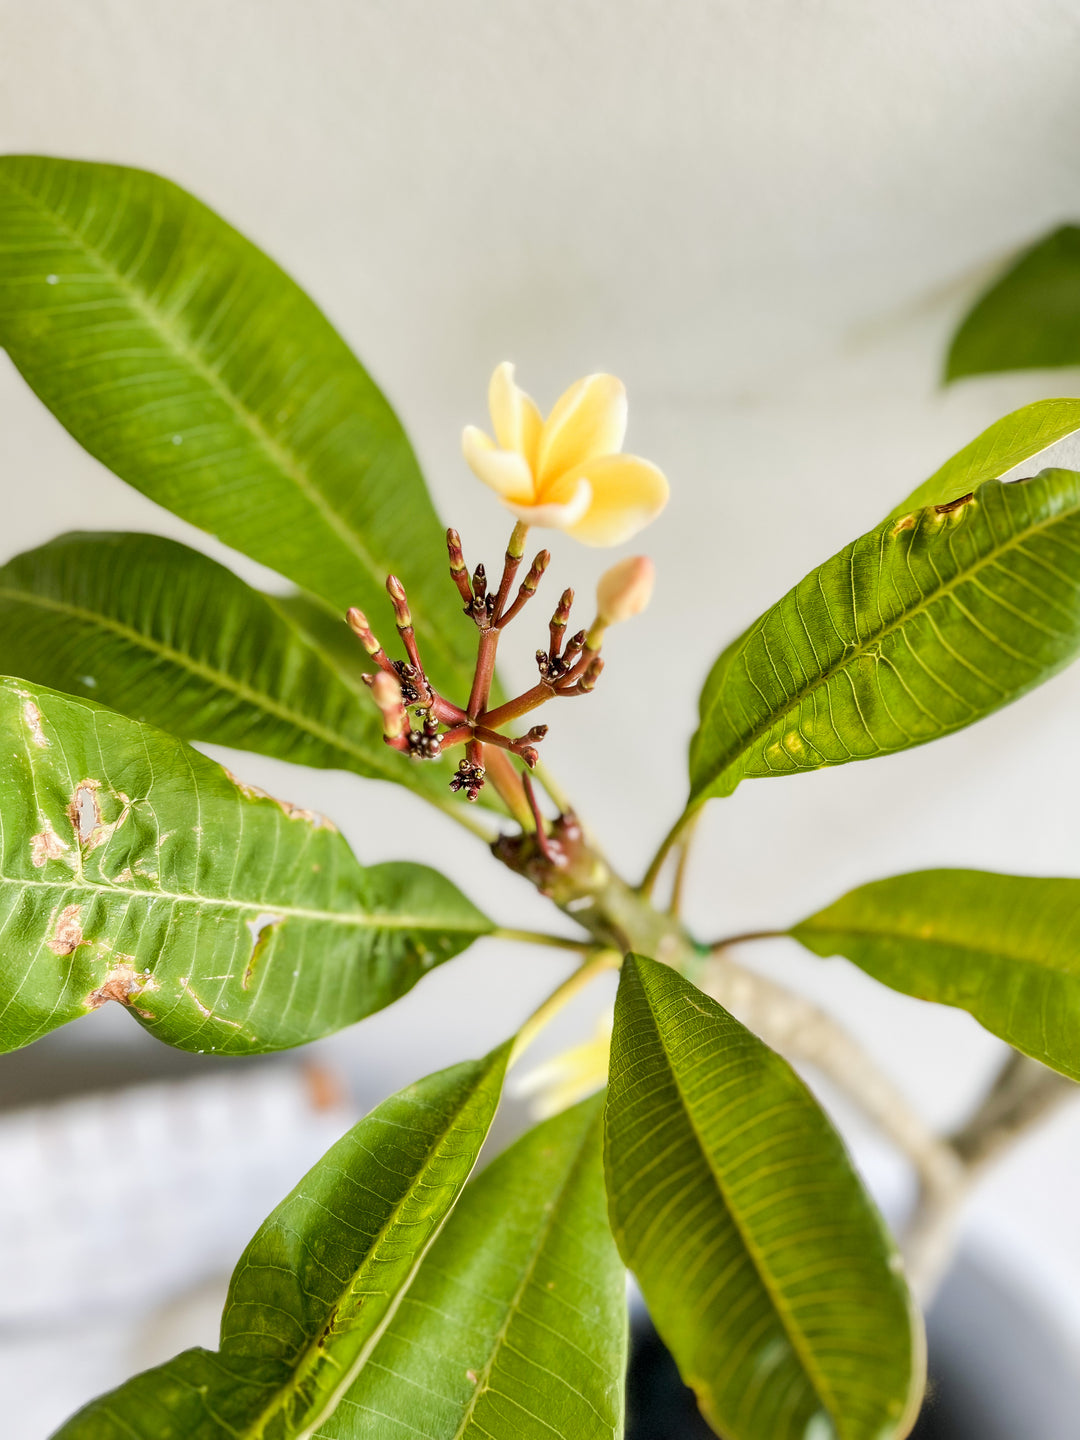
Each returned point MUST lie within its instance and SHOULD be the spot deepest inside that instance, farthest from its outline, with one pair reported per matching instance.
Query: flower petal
(588, 420)
(561, 514)
(514, 414)
(626, 494)
(505, 471)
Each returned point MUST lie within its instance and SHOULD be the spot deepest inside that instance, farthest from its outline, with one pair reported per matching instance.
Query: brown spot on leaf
(86, 817)
(260, 928)
(84, 812)
(68, 935)
(32, 716)
(906, 522)
(204, 1010)
(294, 812)
(46, 846)
(124, 984)
(957, 504)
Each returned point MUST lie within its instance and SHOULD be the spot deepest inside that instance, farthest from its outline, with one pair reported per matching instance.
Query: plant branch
(507, 782)
(670, 840)
(679, 882)
(603, 960)
(1023, 1094)
(584, 946)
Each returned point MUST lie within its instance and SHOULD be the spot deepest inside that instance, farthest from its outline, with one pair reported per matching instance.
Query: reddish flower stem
(528, 587)
(489, 633)
(514, 709)
(458, 573)
(502, 773)
(445, 710)
(514, 552)
(551, 853)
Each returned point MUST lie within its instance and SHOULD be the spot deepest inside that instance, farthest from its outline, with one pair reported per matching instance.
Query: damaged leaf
(135, 870)
(909, 633)
(164, 634)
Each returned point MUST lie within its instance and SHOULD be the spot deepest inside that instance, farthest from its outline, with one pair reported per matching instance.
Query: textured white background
(766, 217)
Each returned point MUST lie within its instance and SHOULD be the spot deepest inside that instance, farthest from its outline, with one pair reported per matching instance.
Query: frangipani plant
(390, 1295)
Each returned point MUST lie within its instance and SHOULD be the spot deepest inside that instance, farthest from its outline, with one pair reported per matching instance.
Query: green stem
(560, 799)
(539, 937)
(670, 840)
(465, 818)
(675, 907)
(744, 939)
(545, 1013)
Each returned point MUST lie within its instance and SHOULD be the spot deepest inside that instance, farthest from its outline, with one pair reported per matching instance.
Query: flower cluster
(566, 472)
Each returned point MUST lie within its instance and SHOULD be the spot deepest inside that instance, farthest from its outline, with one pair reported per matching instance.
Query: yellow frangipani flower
(567, 471)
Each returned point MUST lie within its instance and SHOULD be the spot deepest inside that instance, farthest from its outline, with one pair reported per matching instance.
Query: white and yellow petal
(505, 471)
(627, 493)
(561, 513)
(514, 415)
(587, 421)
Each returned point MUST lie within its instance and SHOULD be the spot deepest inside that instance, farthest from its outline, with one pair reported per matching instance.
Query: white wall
(766, 217)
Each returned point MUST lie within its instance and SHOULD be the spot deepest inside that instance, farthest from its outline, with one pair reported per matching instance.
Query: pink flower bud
(625, 590)
(387, 695)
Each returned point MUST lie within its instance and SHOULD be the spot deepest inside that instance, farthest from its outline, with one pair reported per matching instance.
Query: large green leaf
(1004, 947)
(183, 358)
(321, 1279)
(515, 1326)
(1011, 440)
(1030, 318)
(765, 1267)
(165, 634)
(134, 869)
(916, 629)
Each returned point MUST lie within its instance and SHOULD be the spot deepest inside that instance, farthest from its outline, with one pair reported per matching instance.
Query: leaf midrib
(368, 920)
(981, 952)
(858, 650)
(514, 1306)
(285, 460)
(791, 1327)
(311, 1353)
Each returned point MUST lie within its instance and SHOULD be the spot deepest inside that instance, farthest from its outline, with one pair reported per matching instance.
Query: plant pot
(1001, 1367)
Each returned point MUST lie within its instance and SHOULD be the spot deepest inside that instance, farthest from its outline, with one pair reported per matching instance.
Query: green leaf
(765, 1266)
(515, 1326)
(918, 628)
(165, 634)
(323, 1276)
(134, 869)
(1008, 442)
(1004, 947)
(183, 358)
(1027, 320)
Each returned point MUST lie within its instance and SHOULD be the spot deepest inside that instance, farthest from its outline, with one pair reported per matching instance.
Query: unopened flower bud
(387, 695)
(400, 601)
(625, 590)
(358, 624)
